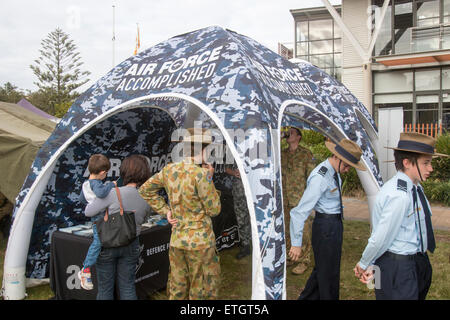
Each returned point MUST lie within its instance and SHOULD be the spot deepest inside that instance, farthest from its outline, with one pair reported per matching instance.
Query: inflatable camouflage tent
(212, 78)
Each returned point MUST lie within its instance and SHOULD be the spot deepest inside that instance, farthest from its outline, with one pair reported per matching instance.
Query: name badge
(418, 209)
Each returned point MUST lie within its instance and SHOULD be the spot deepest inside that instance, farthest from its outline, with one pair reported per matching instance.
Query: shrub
(441, 165)
(351, 185)
(437, 187)
(315, 142)
(311, 138)
(443, 143)
(320, 152)
(437, 191)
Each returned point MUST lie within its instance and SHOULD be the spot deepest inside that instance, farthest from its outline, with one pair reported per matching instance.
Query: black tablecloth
(68, 252)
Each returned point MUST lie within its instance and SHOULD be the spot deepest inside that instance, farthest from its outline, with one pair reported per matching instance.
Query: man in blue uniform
(402, 231)
(323, 194)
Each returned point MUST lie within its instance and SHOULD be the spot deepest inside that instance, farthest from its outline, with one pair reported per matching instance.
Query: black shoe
(245, 251)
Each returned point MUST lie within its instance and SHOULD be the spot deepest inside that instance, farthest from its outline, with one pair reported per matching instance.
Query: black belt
(328, 216)
(400, 257)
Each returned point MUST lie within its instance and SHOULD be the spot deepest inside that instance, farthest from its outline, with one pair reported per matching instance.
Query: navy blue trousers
(323, 283)
(404, 279)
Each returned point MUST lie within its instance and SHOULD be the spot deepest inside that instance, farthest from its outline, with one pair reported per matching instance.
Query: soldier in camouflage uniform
(297, 163)
(194, 262)
(241, 211)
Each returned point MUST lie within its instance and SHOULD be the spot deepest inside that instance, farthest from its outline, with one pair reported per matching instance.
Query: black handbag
(117, 230)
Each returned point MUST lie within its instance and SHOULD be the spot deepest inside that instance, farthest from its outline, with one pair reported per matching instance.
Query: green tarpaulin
(22, 133)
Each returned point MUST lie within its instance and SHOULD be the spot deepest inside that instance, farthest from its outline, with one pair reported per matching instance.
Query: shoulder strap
(322, 171)
(402, 185)
(120, 200)
(105, 217)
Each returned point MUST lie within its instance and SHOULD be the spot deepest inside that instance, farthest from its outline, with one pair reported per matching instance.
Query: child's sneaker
(85, 277)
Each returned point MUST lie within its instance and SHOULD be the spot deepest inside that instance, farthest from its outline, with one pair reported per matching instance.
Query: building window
(428, 80)
(396, 81)
(445, 78)
(319, 42)
(446, 99)
(383, 45)
(321, 47)
(424, 95)
(427, 108)
(320, 29)
(404, 100)
(446, 111)
(427, 13)
(403, 22)
(446, 11)
(412, 26)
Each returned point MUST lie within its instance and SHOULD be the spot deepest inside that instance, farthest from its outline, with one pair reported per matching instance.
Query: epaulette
(322, 171)
(402, 185)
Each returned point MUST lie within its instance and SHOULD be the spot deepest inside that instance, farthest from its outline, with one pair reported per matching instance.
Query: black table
(68, 252)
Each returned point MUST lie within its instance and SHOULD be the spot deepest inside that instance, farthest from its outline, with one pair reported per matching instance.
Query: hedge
(437, 186)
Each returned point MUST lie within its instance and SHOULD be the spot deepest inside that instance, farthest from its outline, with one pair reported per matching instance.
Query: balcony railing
(430, 129)
(417, 39)
(430, 38)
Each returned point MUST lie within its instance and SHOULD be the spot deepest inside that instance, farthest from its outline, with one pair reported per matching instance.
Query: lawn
(236, 274)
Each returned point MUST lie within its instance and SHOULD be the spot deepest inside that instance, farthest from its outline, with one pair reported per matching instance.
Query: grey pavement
(358, 209)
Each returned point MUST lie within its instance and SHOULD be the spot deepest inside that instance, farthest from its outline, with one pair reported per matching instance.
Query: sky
(89, 23)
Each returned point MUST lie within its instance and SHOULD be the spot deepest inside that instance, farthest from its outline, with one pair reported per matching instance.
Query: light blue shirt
(321, 194)
(395, 222)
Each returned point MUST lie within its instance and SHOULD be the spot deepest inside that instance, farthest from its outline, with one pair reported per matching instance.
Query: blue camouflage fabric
(217, 76)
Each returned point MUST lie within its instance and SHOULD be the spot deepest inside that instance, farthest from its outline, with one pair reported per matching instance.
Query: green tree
(10, 93)
(40, 98)
(61, 108)
(58, 69)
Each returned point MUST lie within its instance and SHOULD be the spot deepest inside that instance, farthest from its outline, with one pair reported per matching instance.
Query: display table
(68, 252)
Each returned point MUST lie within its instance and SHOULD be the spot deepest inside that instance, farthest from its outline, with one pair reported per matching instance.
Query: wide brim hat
(347, 151)
(195, 135)
(417, 143)
(292, 127)
(287, 128)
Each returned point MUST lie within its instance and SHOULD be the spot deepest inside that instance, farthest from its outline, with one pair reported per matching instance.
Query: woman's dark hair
(135, 169)
(399, 156)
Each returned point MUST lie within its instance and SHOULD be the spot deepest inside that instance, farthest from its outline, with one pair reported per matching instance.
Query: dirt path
(357, 209)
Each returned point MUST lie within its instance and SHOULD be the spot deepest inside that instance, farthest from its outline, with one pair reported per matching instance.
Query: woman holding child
(121, 262)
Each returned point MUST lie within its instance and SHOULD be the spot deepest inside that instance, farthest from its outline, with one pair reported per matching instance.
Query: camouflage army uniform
(194, 263)
(295, 169)
(241, 210)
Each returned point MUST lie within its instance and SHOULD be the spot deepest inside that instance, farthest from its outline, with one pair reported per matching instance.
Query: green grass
(236, 275)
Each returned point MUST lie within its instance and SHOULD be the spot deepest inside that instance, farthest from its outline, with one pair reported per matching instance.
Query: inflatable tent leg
(371, 189)
(15, 258)
(19, 239)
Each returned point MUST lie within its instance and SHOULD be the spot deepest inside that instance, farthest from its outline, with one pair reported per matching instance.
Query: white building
(408, 65)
